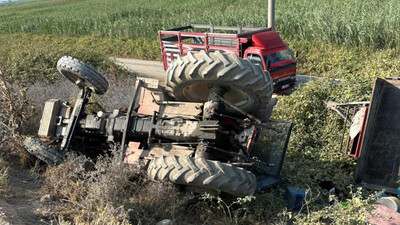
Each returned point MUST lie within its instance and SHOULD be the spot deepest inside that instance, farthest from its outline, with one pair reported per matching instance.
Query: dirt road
(20, 204)
(154, 69)
(151, 69)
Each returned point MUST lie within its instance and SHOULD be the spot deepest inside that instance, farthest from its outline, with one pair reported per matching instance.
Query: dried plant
(15, 114)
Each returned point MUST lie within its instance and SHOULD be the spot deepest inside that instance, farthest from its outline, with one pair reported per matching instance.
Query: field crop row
(366, 23)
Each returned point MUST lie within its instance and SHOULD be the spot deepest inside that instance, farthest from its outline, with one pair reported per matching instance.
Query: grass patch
(30, 58)
(34, 57)
(351, 23)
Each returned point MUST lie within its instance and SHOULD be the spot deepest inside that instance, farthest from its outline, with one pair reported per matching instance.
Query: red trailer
(263, 46)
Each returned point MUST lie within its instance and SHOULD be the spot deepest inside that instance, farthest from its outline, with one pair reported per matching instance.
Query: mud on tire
(204, 174)
(74, 69)
(51, 156)
(190, 77)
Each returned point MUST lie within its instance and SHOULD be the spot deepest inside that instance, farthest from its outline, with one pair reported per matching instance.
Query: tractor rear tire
(189, 78)
(51, 156)
(203, 174)
(75, 70)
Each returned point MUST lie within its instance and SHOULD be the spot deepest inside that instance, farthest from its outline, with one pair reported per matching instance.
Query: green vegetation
(354, 23)
(354, 41)
(33, 57)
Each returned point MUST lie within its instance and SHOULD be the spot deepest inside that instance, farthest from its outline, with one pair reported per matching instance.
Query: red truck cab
(269, 50)
(263, 46)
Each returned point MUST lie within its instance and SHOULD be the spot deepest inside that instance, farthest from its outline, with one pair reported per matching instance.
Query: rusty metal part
(81, 100)
(187, 130)
(251, 117)
(134, 155)
(213, 104)
(169, 149)
(128, 116)
(338, 108)
(202, 151)
(187, 110)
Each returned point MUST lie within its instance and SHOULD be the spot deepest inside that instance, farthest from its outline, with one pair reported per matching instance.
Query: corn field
(363, 23)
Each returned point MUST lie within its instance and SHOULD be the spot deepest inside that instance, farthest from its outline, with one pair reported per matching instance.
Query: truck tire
(51, 156)
(74, 70)
(190, 77)
(204, 174)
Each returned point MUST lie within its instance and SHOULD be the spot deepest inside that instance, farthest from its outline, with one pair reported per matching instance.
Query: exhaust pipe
(271, 14)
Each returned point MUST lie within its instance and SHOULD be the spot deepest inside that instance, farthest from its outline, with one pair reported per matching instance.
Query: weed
(15, 114)
(354, 211)
(109, 192)
(229, 211)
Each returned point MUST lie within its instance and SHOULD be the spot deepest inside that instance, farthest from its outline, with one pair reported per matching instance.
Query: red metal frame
(186, 47)
(361, 135)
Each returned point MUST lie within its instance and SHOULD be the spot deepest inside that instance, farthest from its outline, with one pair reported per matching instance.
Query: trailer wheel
(76, 70)
(189, 78)
(51, 156)
(203, 174)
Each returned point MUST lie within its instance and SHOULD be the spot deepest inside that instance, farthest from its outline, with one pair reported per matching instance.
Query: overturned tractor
(215, 135)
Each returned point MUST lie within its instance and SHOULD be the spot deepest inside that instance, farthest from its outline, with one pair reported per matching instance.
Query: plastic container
(391, 202)
(295, 197)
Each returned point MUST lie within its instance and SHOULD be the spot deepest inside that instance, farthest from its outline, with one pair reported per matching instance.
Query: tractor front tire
(203, 174)
(76, 70)
(190, 78)
(51, 156)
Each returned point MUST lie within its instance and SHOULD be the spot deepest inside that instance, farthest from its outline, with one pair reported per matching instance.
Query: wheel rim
(73, 77)
(199, 92)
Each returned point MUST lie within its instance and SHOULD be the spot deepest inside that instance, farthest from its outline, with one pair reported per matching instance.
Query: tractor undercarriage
(218, 145)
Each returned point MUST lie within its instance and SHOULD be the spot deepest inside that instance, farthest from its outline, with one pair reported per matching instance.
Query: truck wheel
(51, 156)
(75, 70)
(189, 78)
(200, 173)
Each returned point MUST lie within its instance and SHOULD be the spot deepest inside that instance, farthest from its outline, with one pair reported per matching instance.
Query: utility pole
(271, 14)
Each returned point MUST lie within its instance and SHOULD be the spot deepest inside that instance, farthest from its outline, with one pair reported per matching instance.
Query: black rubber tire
(189, 79)
(51, 156)
(74, 69)
(203, 174)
